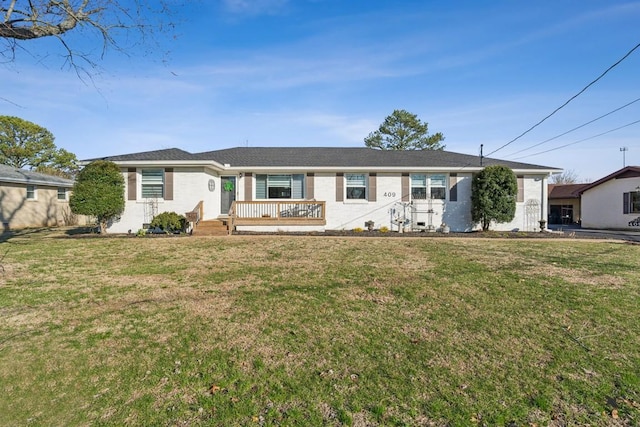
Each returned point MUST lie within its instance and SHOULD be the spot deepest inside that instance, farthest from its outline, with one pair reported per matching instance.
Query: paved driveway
(632, 236)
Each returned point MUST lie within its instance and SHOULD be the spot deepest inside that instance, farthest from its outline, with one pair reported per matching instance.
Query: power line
(567, 102)
(576, 128)
(581, 140)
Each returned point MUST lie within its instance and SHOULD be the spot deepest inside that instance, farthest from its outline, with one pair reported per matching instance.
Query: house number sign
(212, 185)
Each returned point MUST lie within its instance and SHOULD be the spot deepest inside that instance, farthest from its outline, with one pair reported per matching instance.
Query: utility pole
(624, 160)
(481, 155)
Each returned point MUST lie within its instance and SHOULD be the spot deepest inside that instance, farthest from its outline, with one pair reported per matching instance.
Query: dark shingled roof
(157, 155)
(326, 157)
(12, 174)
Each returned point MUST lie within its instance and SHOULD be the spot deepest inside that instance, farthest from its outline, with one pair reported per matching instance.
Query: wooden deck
(278, 213)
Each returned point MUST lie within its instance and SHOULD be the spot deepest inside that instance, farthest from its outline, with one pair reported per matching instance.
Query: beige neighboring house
(31, 199)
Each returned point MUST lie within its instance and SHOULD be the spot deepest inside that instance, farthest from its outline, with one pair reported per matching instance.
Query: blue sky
(327, 73)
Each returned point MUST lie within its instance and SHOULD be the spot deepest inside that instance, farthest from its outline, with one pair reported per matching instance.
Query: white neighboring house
(31, 199)
(317, 189)
(613, 202)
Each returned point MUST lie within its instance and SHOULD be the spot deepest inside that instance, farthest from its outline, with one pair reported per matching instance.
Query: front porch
(277, 213)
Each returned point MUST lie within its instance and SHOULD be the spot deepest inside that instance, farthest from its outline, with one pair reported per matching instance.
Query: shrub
(384, 229)
(170, 222)
(99, 192)
(358, 230)
(493, 196)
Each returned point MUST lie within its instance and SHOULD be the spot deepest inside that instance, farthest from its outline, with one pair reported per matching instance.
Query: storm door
(227, 193)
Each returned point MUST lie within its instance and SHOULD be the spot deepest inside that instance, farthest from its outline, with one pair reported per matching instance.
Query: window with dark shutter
(625, 203)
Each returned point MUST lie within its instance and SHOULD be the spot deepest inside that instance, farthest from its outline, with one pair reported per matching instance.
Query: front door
(227, 193)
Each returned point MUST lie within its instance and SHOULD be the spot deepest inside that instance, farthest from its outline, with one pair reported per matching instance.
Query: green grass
(319, 331)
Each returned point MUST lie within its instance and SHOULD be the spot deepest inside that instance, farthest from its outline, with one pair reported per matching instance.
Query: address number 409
(389, 194)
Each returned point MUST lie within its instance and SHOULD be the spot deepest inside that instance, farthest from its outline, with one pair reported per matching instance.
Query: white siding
(602, 206)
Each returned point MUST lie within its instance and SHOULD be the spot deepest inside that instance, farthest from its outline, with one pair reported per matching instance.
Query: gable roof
(565, 191)
(326, 157)
(627, 172)
(23, 176)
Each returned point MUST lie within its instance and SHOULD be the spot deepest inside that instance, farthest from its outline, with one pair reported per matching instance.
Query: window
(356, 186)
(631, 202)
(152, 183)
(62, 193)
(31, 192)
(428, 186)
(438, 186)
(283, 186)
(418, 187)
(635, 202)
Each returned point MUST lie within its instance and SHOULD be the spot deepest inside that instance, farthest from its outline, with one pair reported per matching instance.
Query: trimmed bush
(170, 222)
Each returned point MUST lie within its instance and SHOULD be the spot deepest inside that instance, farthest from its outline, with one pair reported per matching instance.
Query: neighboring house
(564, 203)
(31, 199)
(613, 202)
(317, 189)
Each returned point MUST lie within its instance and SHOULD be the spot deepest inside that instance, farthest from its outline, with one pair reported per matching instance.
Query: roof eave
(381, 169)
(164, 163)
(37, 182)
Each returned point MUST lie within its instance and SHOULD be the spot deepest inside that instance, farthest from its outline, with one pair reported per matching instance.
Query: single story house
(31, 199)
(318, 189)
(564, 203)
(613, 202)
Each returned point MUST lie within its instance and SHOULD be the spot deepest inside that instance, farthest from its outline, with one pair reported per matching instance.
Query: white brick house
(317, 189)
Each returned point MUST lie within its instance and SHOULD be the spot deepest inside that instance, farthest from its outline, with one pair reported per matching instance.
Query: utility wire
(567, 102)
(581, 140)
(575, 128)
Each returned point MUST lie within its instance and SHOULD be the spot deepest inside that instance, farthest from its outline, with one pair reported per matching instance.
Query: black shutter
(625, 202)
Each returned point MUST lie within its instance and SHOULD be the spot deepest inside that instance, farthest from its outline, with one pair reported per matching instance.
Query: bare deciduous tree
(112, 21)
(567, 177)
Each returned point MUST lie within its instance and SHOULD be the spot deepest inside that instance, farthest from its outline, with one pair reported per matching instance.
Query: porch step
(211, 227)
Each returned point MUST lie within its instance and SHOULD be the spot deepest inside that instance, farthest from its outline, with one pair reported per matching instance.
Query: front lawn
(282, 330)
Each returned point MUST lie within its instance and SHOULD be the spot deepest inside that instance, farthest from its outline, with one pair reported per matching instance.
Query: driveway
(632, 236)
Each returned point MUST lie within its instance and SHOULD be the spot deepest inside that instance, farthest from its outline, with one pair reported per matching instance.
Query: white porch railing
(277, 213)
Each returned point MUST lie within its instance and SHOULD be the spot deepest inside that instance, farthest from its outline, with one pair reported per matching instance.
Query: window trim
(64, 194)
(633, 202)
(32, 192)
(629, 203)
(364, 186)
(428, 186)
(297, 183)
(152, 183)
(443, 186)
